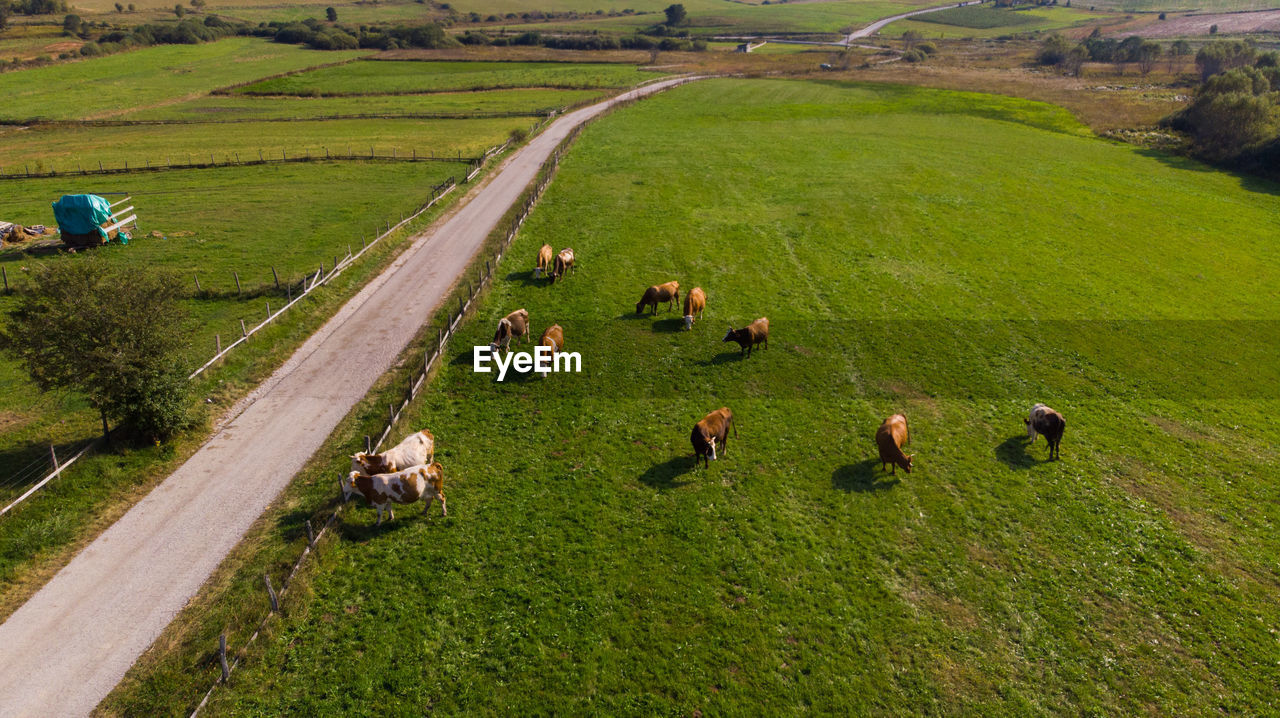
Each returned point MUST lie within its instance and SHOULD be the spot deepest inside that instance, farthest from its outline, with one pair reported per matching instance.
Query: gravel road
(67, 647)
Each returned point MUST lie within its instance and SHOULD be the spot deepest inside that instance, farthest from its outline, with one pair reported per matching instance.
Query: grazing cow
(515, 324)
(544, 261)
(694, 302)
(890, 438)
(748, 337)
(657, 294)
(712, 430)
(563, 265)
(424, 482)
(1044, 420)
(417, 448)
(553, 337)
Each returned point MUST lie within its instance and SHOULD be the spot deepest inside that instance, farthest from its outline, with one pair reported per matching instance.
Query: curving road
(874, 27)
(67, 647)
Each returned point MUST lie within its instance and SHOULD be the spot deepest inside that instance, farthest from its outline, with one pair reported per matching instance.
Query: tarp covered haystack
(81, 217)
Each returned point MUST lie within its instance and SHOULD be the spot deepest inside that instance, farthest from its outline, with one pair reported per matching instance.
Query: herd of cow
(408, 472)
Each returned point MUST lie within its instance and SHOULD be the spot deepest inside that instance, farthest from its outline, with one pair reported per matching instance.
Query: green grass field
(983, 21)
(116, 84)
(65, 148)
(731, 17)
(221, 107)
(407, 77)
(952, 256)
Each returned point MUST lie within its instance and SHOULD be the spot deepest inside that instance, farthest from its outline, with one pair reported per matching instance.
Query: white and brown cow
(515, 324)
(543, 263)
(1043, 420)
(414, 449)
(424, 482)
(564, 264)
(694, 302)
(713, 430)
(657, 294)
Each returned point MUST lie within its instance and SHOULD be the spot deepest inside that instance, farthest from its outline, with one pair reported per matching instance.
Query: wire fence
(433, 353)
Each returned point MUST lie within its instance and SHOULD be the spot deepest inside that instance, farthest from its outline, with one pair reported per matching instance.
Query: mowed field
(984, 21)
(951, 256)
(735, 17)
(392, 77)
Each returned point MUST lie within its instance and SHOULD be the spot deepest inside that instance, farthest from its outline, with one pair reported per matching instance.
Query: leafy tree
(119, 7)
(198, 4)
(910, 38)
(1178, 50)
(1231, 113)
(1146, 56)
(1054, 49)
(179, 10)
(71, 24)
(1222, 55)
(114, 335)
(676, 15)
(1213, 29)
(331, 14)
(4, 16)
(133, 8)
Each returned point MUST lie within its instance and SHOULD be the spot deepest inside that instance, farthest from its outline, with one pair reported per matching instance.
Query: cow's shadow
(669, 326)
(1013, 451)
(632, 316)
(863, 476)
(666, 474)
(527, 279)
(354, 528)
(724, 358)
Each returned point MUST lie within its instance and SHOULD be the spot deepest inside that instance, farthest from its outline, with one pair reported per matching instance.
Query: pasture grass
(951, 256)
(982, 21)
(70, 148)
(732, 17)
(125, 82)
(222, 107)
(390, 77)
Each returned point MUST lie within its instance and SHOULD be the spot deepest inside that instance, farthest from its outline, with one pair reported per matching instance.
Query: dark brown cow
(657, 294)
(564, 263)
(515, 324)
(403, 487)
(1044, 420)
(712, 430)
(748, 337)
(890, 438)
(694, 302)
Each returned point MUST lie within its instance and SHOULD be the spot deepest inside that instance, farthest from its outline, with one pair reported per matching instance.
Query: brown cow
(515, 324)
(543, 263)
(403, 487)
(414, 449)
(712, 430)
(890, 438)
(1043, 420)
(748, 337)
(564, 263)
(694, 302)
(553, 337)
(655, 295)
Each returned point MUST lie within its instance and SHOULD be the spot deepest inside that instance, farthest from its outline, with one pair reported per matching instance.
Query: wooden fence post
(198, 289)
(268, 310)
(54, 455)
(222, 657)
(391, 414)
(271, 592)
(368, 444)
(311, 534)
(275, 277)
(243, 333)
(237, 278)
(217, 343)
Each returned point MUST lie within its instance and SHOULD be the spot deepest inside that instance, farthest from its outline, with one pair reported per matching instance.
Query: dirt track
(67, 647)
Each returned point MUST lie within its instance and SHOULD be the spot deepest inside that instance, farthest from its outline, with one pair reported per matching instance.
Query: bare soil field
(1229, 23)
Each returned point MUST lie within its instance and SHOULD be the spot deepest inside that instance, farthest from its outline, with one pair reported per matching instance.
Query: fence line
(479, 115)
(431, 358)
(57, 471)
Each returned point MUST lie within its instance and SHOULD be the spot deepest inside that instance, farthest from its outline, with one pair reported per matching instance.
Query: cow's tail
(734, 424)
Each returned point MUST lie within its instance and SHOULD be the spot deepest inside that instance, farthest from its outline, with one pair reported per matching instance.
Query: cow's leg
(724, 443)
(426, 504)
(444, 506)
(379, 510)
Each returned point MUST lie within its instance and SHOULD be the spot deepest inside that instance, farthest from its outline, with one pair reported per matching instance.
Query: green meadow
(735, 17)
(951, 256)
(983, 21)
(537, 101)
(391, 77)
(117, 84)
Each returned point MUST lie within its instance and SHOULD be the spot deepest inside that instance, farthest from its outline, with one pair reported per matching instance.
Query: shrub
(927, 48)
(914, 55)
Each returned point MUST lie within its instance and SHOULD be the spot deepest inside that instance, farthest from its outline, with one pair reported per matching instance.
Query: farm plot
(954, 266)
(512, 102)
(983, 21)
(116, 84)
(734, 17)
(398, 77)
(62, 148)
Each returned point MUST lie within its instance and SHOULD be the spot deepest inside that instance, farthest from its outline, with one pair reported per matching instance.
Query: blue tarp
(82, 214)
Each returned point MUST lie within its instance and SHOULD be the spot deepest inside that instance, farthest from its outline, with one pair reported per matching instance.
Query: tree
(910, 38)
(1054, 49)
(1146, 55)
(112, 334)
(1222, 55)
(133, 8)
(179, 10)
(1178, 50)
(71, 24)
(676, 15)
(4, 16)
(119, 7)
(1213, 29)
(198, 4)
(1231, 113)
(331, 14)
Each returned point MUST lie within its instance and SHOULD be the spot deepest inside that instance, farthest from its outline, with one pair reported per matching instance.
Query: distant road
(67, 647)
(874, 27)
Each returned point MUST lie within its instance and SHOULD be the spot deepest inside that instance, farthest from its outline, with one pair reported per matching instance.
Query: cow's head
(712, 442)
(688, 321)
(907, 465)
(640, 304)
(728, 337)
(349, 486)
